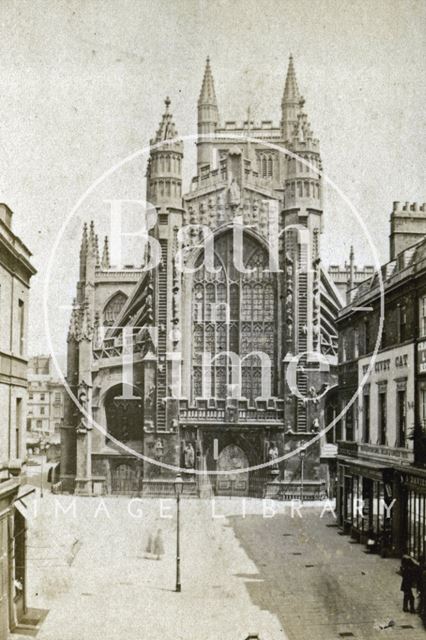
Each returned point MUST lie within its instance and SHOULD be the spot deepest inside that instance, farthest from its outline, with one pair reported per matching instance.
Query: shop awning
(372, 470)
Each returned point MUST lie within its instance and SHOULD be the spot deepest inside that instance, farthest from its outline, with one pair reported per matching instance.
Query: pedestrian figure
(409, 574)
(149, 549)
(158, 549)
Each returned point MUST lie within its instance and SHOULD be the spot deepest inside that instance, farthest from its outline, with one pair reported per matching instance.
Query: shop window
(356, 345)
(366, 418)
(350, 423)
(401, 400)
(422, 310)
(423, 406)
(382, 417)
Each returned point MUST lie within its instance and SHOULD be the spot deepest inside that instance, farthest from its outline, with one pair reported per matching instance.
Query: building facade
(381, 455)
(46, 398)
(15, 275)
(232, 357)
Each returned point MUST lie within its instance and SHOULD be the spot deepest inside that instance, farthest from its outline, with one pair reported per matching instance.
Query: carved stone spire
(290, 103)
(97, 251)
(83, 252)
(74, 322)
(105, 263)
(167, 128)
(207, 93)
(208, 117)
(291, 89)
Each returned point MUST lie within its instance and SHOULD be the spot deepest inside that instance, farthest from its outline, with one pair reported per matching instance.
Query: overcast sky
(83, 84)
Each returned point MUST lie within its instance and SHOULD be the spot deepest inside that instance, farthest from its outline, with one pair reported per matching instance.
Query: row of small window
(57, 397)
(39, 425)
(297, 165)
(166, 187)
(303, 189)
(42, 411)
(368, 342)
(169, 162)
(400, 416)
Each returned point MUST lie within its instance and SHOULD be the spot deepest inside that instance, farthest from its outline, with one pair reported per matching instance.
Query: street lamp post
(302, 470)
(178, 491)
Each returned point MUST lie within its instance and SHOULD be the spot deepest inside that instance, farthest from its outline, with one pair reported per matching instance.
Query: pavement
(242, 571)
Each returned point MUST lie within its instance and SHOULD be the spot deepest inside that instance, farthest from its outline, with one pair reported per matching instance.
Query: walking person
(149, 547)
(409, 580)
(158, 549)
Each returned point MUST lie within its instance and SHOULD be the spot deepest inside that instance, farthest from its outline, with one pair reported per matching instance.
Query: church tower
(164, 192)
(302, 216)
(164, 173)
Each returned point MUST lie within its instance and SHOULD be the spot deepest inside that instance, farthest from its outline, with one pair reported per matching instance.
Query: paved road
(319, 583)
(285, 578)
(88, 567)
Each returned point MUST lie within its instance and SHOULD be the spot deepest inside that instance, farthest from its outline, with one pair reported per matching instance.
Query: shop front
(413, 484)
(366, 502)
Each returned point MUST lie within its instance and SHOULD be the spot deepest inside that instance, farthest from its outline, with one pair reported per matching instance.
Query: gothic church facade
(231, 364)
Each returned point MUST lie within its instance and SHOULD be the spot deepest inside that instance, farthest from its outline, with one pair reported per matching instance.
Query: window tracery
(234, 311)
(113, 308)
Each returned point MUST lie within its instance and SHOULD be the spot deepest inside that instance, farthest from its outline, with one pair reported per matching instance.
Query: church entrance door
(124, 479)
(231, 459)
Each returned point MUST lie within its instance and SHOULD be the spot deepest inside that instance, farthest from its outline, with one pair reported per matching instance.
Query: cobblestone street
(303, 581)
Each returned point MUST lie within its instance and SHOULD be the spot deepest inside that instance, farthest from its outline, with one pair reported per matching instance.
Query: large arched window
(234, 311)
(113, 307)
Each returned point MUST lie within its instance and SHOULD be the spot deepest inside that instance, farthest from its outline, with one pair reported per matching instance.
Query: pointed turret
(98, 264)
(167, 128)
(74, 322)
(207, 93)
(290, 102)
(164, 170)
(105, 263)
(208, 117)
(83, 252)
(351, 276)
(291, 89)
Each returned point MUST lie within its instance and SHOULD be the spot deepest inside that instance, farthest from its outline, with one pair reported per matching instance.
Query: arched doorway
(125, 479)
(231, 459)
(124, 416)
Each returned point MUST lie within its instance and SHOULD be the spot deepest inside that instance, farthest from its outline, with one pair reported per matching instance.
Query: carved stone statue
(149, 400)
(158, 450)
(189, 456)
(273, 455)
(234, 194)
(84, 424)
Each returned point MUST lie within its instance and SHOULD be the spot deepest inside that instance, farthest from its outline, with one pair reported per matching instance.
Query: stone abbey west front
(174, 317)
